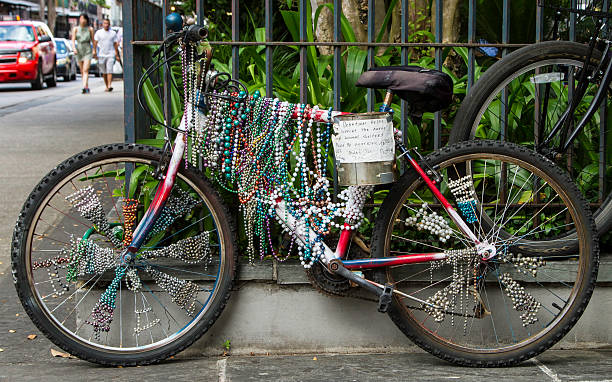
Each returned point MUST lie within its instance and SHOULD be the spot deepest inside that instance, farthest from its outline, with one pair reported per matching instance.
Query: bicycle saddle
(424, 89)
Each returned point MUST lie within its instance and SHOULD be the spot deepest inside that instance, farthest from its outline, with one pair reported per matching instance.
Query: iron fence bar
(438, 63)
(200, 12)
(235, 37)
(370, 64)
(572, 27)
(337, 78)
(337, 53)
(603, 117)
(166, 88)
(505, 40)
(539, 23)
(503, 194)
(129, 80)
(471, 37)
(570, 88)
(539, 36)
(303, 59)
(404, 57)
(347, 44)
(269, 49)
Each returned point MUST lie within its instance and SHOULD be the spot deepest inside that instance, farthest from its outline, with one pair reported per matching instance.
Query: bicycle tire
(512, 355)
(490, 83)
(46, 325)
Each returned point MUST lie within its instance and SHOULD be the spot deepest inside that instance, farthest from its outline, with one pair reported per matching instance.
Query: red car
(27, 53)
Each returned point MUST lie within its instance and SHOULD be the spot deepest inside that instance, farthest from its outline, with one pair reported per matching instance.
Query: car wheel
(52, 82)
(37, 84)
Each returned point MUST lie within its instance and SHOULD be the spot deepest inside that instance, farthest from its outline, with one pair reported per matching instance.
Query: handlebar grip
(196, 33)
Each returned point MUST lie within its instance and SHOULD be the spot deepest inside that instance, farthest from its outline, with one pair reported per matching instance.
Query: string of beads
(463, 191)
(87, 202)
(264, 155)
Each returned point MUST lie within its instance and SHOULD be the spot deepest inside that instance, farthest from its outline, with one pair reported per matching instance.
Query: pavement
(39, 129)
(24, 359)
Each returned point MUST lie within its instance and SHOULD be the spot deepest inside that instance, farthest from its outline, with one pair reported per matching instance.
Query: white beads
(430, 221)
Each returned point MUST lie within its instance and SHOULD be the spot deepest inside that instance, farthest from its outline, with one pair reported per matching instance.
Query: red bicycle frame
(290, 221)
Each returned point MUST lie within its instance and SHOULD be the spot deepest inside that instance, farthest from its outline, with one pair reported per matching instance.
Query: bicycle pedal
(385, 298)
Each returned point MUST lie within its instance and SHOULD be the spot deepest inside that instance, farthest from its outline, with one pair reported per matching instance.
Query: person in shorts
(106, 40)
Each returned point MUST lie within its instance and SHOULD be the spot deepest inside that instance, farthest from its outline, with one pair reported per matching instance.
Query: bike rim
(216, 236)
(414, 281)
(600, 214)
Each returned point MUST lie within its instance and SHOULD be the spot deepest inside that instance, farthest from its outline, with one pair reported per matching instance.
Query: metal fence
(140, 21)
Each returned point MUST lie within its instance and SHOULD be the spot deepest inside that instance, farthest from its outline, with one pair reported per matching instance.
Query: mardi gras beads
(462, 189)
(130, 206)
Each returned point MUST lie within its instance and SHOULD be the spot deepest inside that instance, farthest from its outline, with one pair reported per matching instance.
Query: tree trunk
(450, 20)
(52, 16)
(396, 24)
(41, 12)
(325, 25)
(350, 9)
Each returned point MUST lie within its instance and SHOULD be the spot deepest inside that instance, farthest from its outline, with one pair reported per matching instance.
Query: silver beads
(192, 250)
(463, 191)
(87, 257)
(87, 202)
(176, 206)
(522, 300)
(430, 221)
(150, 323)
(182, 292)
(525, 264)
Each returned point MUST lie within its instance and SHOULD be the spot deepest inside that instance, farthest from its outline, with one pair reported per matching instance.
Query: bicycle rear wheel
(495, 312)
(65, 258)
(508, 104)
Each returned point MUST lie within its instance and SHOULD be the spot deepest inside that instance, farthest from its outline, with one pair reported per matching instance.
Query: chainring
(331, 284)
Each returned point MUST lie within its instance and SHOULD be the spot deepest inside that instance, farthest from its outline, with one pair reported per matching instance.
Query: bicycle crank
(379, 290)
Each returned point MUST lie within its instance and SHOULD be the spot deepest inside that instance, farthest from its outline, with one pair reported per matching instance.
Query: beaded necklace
(255, 149)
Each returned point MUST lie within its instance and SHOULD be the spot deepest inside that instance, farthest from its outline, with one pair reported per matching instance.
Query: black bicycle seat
(424, 89)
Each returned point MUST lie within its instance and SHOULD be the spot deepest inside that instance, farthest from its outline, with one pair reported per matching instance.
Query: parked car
(27, 53)
(65, 60)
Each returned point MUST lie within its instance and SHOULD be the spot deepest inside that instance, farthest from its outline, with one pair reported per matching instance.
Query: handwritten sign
(359, 140)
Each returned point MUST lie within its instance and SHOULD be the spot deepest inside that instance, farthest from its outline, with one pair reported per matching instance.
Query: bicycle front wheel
(500, 311)
(69, 277)
(521, 97)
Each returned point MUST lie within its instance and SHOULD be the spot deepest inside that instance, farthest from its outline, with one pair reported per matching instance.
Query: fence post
(370, 64)
(337, 76)
(235, 37)
(438, 63)
(303, 58)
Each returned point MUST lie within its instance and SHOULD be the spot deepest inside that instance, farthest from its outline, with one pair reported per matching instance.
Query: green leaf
(135, 178)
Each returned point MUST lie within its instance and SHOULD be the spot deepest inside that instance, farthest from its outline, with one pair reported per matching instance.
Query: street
(39, 129)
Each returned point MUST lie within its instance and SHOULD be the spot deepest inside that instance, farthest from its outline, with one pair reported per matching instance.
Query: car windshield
(61, 47)
(16, 33)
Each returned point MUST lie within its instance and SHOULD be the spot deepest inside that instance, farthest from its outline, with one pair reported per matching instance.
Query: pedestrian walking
(106, 39)
(82, 39)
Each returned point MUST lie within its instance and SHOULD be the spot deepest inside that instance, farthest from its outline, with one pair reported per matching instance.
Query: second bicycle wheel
(70, 279)
(500, 311)
(521, 97)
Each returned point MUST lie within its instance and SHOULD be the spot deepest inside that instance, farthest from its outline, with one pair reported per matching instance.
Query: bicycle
(546, 85)
(126, 254)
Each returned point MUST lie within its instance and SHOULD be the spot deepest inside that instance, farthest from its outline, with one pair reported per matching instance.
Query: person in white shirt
(106, 40)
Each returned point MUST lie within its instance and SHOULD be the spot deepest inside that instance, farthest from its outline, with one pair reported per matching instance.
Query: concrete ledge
(275, 310)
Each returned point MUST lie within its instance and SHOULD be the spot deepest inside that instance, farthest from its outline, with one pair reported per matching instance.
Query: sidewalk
(23, 359)
(39, 132)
